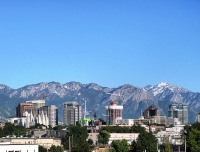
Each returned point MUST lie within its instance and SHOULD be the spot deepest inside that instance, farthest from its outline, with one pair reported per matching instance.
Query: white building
(42, 118)
(173, 134)
(127, 122)
(113, 113)
(26, 120)
(173, 121)
(7, 147)
(129, 137)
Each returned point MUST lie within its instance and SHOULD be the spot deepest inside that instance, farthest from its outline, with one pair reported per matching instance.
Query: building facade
(113, 113)
(8, 147)
(72, 112)
(23, 107)
(31, 112)
(45, 142)
(36, 105)
(180, 111)
(129, 137)
(51, 112)
(151, 112)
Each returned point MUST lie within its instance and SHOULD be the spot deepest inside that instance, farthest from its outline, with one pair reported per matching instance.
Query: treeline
(12, 130)
(124, 129)
(192, 134)
(146, 140)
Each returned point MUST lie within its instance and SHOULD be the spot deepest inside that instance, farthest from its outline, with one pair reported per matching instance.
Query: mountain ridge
(133, 98)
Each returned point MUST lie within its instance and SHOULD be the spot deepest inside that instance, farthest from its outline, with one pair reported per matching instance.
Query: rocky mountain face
(96, 97)
(167, 93)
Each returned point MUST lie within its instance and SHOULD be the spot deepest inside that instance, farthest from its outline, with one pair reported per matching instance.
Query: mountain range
(96, 97)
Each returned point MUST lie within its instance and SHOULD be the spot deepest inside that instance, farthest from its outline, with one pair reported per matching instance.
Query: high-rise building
(180, 111)
(72, 112)
(113, 112)
(151, 112)
(36, 105)
(51, 112)
(23, 107)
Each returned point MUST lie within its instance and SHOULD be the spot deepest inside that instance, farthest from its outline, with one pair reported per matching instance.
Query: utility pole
(185, 144)
(69, 145)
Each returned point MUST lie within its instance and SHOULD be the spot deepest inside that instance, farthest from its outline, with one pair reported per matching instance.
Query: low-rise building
(7, 147)
(45, 142)
(127, 122)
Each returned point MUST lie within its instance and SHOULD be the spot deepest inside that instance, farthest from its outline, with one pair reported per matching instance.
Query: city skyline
(108, 43)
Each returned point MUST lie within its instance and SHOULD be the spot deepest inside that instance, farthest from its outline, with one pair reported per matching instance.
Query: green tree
(146, 142)
(58, 127)
(137, 129)
(191, 133)
(54, 148)
(78, 139)
(167, 147)
(194, 140)
(11, 129)
(112, 150)
(103, 137)
(42, 149)
(120, 146)
(90, 142)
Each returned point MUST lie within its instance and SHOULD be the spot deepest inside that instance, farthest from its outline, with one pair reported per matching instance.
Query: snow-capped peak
(164, 86)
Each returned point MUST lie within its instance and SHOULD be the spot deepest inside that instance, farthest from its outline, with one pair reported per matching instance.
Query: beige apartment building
(45, 142)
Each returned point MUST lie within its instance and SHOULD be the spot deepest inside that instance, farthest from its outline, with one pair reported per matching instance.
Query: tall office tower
(71, 112)
(23, 107)
(36, 105)
(51, 112)
(151, 111)
(113, 112)
(180, 111)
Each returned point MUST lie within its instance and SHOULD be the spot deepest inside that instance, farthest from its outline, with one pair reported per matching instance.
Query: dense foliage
(192, 134)
(12, 130)
(146, 142)
(53, 148)
(76, 139)
(120, 146)
(103, 137)
(124, 129)
(167, 147)
(42, 149)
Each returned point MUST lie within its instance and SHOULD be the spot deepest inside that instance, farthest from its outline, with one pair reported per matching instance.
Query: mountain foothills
(134, 99)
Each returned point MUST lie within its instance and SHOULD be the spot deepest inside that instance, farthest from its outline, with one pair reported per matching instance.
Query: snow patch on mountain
(164, 86)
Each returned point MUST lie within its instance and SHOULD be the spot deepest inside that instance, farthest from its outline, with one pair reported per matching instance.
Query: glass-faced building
(180, 111)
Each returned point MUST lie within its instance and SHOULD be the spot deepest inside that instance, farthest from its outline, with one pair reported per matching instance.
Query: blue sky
(110, 43)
